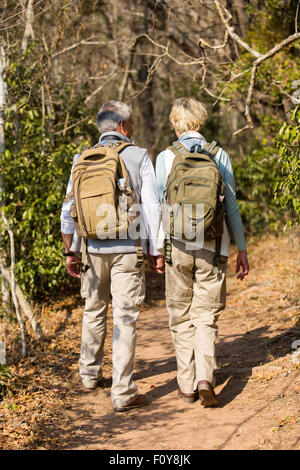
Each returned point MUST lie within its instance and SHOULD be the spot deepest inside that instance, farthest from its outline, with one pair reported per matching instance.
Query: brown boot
(207, 395)
(139, 400)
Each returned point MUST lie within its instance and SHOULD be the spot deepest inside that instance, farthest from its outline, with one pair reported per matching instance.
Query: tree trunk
(4, 285)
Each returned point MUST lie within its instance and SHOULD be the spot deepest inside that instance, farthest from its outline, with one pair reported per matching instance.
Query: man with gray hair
(113, 267)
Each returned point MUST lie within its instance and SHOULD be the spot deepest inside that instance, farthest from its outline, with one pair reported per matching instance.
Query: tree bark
(12, 281)
(24, 304)
(4, 285)
(28, 33)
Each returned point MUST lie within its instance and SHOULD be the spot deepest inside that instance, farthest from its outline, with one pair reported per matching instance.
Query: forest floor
(258, 380)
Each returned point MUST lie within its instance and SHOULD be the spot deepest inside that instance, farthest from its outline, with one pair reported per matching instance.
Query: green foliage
(35, 168)
(254, 155)
(255, 175)
(5, 379)
(287, 190)
(44, 103)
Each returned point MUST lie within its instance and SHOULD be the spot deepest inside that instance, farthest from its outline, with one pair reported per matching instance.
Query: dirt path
(258, 384)
(251, 413)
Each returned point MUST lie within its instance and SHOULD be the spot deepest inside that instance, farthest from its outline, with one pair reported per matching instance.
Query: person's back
(195, 287)
(114, 267)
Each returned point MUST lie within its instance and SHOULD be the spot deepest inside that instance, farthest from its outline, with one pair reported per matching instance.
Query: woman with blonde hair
(195, 288)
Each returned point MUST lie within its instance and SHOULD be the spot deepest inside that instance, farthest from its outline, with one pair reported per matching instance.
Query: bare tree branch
(167, 54)
(256, 64)
(231, 32)
(259, 58)
(28, 27)
(202, 42)
(296, 17)
(80, 43)
(108, 77)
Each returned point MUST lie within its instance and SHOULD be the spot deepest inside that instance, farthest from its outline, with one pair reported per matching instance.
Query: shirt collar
(118, 136)
(191, 135)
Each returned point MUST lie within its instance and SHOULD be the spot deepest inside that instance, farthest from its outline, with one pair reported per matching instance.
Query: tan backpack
(102, 196)
(195, 180)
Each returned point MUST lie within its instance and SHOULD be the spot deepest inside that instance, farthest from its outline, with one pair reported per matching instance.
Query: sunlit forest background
(61, 59)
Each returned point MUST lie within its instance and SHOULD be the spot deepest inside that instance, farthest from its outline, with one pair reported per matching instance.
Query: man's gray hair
(111, 114)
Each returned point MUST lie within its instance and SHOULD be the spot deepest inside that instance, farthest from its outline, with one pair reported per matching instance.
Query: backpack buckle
(84, 268)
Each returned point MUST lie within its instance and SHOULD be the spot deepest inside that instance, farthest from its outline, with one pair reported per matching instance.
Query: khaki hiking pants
(195, 297)
(117, 275)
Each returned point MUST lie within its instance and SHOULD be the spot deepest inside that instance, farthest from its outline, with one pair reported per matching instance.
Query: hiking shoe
(207, 395)
(89, 385)
(92, 385)
(138, 401)
(188, 397)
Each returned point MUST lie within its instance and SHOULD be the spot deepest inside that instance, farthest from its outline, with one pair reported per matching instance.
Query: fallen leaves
(288, 421)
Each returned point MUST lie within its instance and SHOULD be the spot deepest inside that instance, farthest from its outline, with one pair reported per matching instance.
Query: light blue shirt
(233, 220)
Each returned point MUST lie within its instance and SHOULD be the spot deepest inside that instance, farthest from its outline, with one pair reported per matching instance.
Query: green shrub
(287, 190)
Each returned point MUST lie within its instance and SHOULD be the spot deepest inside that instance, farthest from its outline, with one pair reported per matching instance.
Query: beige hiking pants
(117, 275)
(195, 297)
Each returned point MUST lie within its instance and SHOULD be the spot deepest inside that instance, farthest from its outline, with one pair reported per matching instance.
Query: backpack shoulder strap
(180, 152)
(211, 149)
(119, 145)
(178, 148)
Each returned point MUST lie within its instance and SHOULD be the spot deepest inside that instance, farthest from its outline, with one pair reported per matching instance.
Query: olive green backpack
(195, 194)
(102, 195)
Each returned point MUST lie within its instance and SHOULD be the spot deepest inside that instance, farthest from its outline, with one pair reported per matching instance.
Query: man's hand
(73, 264)
(242, 262)
(160, 264)
(157, 263)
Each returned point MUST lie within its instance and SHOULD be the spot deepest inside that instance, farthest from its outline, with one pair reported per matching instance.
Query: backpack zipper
(197, 184)
(94, 163)
(195, 177)
(191, 165)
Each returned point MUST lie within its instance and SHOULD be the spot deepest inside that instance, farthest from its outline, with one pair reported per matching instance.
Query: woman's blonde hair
(187, 114)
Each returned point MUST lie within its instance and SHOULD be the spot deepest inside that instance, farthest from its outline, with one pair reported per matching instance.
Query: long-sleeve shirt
(164, 163)
(146, 190)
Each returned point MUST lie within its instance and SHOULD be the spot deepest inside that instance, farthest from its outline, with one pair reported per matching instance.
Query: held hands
(157, 263)
(73, 265)
(242, 262)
